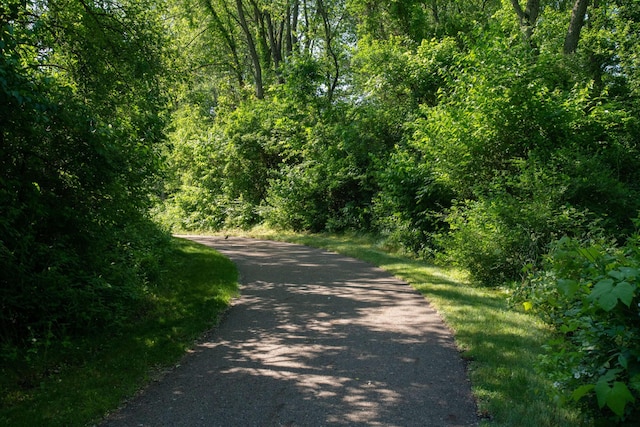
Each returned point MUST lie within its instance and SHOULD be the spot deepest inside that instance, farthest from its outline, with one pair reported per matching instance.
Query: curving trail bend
(316, 339)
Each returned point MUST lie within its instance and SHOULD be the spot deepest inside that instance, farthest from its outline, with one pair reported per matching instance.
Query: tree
(575, 26)
(417, 20)
(270, 34)
(81, 104)
(527, 16)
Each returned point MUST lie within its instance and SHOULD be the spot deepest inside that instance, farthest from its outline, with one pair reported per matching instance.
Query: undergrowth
(76, 381)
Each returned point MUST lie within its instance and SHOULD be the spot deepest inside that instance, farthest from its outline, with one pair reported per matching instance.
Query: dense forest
(82, 119)
(498, 136)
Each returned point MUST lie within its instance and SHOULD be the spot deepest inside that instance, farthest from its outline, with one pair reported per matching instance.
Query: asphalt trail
(316, 339)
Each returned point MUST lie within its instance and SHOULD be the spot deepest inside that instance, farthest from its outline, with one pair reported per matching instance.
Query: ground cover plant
(589, 293)
(78, 380)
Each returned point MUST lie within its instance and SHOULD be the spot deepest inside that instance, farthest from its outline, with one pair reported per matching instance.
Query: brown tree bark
(253, 52)
(528, 16)
(229, 40)
(292, 27)
(575, 26)
(334, 76)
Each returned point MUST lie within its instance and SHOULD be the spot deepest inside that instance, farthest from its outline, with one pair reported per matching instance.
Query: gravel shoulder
(316, 339)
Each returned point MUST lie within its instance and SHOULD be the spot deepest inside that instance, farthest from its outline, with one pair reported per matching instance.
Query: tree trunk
(528, 16)
(294, 25)
(288, 34)
(230, 41)
(575, 26)
(274, 42)
(255, 58)
(333, 56)
(434, 12)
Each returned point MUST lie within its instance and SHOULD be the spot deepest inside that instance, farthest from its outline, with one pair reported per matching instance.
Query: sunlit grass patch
(84, 379)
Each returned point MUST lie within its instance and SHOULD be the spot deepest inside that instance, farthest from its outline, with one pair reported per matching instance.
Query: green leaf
(602, 292)
(608, 295)
(617, 274)
(623, 273)
(581, 391)
(602, 287)
(590, 253)
(568, 286)
(622, 360)
(615, 397)
(602, 392)
(619, 397)
(624, 292)
(610, 375)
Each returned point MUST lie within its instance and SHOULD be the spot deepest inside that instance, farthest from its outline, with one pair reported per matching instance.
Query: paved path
(316, 339)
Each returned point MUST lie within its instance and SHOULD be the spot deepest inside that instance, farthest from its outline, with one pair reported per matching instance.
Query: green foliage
(408, 208)
(331, 186)
(222, 171)
(511, 226)
(418, 20)
(409, 204)
(80, 114)
(295, 200)
(589, 293)
(527, 144)
(398, 78)
(511, 143)
(75, 382)
(289, 159)
(494, 239)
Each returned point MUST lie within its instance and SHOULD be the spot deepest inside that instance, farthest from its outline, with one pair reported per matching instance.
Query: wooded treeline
(82, 113)
(501, 136)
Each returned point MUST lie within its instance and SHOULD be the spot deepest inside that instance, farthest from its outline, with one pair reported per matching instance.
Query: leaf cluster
(81, 113)
(589, 293)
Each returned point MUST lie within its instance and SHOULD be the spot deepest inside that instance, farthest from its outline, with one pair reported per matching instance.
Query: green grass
(500, 343)
(83, 380)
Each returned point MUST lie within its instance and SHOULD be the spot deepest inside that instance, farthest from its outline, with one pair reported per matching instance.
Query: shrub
(588, 291)
(512, 223)
(408, 208)
(296, 200)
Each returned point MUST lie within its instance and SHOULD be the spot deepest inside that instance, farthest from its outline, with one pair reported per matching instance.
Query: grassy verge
(500, 343)
(81, 381)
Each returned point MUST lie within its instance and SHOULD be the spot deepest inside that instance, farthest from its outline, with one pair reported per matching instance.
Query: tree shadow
(315, 339)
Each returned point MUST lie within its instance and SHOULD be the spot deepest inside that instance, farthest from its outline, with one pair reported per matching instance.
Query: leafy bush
(511, 224)
(78, 163)
(294, 200)
(495, 238)
(408, 209)
(589, 292)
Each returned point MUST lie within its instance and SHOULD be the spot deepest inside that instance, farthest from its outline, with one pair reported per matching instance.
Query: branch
(528, 16)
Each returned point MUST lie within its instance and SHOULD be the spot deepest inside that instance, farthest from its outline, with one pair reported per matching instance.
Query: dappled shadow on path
(316, 339)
